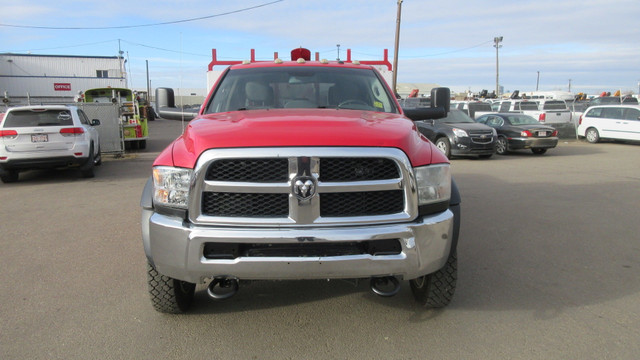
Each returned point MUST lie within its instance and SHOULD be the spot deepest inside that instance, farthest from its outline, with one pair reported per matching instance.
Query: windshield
(526, 105)
(555, 105)
(295, 87)
(480, 107)
(456, 116)
(522, 120)
(32, 118)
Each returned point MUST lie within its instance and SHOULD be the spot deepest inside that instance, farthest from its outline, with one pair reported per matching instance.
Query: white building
(56, 78)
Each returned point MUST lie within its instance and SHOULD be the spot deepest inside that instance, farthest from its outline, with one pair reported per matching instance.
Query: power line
(448, 52)
(427, 55)
(162, 49)
(66, 46)
(141, 25)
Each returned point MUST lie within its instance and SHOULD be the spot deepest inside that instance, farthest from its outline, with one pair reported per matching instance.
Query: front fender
(147, 210)
(147, 195)
(455, 207)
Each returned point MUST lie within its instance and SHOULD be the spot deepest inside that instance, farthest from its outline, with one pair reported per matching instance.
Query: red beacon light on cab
(300, 53)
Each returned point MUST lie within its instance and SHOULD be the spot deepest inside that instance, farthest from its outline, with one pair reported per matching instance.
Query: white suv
(49, 136)
(621, 122)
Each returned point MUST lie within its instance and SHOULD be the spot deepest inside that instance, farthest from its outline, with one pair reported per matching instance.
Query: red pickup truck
(301, 170)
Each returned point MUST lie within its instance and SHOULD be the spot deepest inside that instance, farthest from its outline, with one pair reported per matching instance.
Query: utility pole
(538, 81)
(569, 85)
(123, 71)
(496, 43)
(338, 59)
(395, 55)
(148, 82)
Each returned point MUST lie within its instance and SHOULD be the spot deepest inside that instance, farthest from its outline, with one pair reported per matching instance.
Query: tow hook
(222, 288)
(386, 286)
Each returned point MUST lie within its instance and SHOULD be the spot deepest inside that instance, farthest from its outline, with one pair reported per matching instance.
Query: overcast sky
(589, 45)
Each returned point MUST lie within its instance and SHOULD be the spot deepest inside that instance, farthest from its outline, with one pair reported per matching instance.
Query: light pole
(338, 45)
(496, 43)
(538, 81)
(395, 54)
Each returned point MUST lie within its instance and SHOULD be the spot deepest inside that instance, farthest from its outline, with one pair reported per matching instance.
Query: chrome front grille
(481, 137)
(302, 187)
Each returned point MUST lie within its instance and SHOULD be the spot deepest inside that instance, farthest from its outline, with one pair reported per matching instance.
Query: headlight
(434, 184)
(171, 186)
(459, 132)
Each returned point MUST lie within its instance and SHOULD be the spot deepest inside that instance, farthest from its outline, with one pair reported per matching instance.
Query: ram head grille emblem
(304, 187)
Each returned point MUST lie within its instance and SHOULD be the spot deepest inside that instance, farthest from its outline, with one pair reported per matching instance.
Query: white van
(621, 122)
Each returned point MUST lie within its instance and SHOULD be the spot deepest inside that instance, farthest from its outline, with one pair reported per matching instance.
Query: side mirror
(441, 98)
(440, 106)
(95, 122)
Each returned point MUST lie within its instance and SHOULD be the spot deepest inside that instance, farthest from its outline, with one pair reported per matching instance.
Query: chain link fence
(110, 129)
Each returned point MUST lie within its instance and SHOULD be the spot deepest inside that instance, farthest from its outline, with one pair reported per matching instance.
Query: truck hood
(299, 127)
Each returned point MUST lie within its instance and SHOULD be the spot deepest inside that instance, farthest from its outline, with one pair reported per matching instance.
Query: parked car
(458, 135)
(473, 108)
(515, 105)
(552, 112)
(620, 122)
(53, 136)
(520, 131)
(543, 110)
(613, 100)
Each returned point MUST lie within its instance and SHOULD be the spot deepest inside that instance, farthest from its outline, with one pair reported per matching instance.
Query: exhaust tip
(222, 288)
(386, 286)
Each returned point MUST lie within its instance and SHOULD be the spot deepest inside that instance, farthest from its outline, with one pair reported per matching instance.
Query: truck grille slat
(361, 203)
(229, 251)
(251, 170)
(347, 169)
(245, 205)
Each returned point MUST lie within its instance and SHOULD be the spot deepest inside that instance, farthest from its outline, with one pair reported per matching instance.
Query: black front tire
(98, 160)
(151, 114)
(502, 146)
(444, 145)
(9, 176)
(86, 170)
(169, 295)
(436, 290)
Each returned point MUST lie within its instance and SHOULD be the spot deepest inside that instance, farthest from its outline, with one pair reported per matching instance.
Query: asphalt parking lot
(549, 256)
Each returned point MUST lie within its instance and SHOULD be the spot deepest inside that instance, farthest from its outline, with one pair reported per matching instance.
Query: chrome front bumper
(176, 248)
